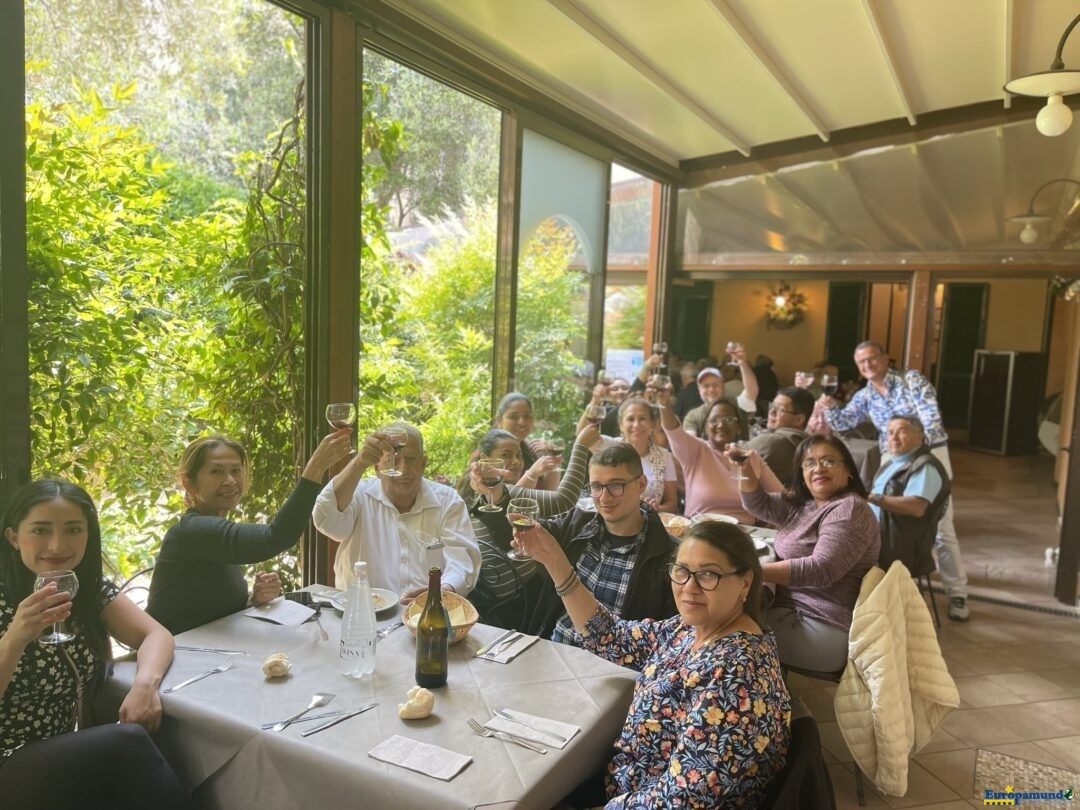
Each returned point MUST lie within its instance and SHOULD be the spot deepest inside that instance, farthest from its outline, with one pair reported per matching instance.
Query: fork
(483, 731)
(219, 668)
(499, 648)
(317, 700)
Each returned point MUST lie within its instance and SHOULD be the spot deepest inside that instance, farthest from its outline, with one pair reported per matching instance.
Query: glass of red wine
(397, 437)
(65, 581)
(341, 415)
(830, 384)
(491, 472)
(595, 414)
(522, 514)
(739, 452)
(555, 448)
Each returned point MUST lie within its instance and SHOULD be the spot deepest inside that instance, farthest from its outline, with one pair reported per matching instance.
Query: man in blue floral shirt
(886, 394)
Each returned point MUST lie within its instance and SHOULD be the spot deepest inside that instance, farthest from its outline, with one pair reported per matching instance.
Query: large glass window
(563, 194)
(430, 188)
(165, 163)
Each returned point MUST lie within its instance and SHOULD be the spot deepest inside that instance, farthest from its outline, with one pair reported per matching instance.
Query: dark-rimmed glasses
(707, 580)
(614, 488)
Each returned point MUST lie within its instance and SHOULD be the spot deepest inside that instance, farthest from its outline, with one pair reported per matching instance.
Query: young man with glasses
(621, 551)
(789, 414)
(888, 392)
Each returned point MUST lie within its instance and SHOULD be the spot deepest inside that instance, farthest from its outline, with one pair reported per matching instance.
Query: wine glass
(491, 472)
(65, 581)
(555, 447)
(605, 379)
(595, 414)
(341, 415)
(829, 384)
(661, 381)
(732, 347)
(397, 437)
(739, 452)
(522, 514)
(660, 347)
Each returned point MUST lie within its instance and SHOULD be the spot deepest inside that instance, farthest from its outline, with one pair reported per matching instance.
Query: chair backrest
(804, 783)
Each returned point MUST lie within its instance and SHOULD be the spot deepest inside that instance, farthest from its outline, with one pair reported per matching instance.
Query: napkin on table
(281, 611)
(512, 651)
(528, 726)
(430, 760)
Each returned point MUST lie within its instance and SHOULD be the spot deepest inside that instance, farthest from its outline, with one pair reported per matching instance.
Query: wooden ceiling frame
(903, 94)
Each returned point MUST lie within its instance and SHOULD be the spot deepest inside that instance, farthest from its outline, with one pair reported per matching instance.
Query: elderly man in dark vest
(908, 496)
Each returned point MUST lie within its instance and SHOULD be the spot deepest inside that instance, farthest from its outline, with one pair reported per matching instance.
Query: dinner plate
(383, 599)
(700, 516)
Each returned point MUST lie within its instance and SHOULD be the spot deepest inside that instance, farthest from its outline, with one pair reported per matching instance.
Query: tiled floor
(1017, 671)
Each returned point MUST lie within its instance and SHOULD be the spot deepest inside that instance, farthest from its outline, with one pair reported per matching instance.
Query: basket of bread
(462, 614)
(675, 524)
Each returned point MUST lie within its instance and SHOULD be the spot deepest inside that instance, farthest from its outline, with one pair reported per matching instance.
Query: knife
(337, 720)
(209, 650)
(484, 650)
(505, 715)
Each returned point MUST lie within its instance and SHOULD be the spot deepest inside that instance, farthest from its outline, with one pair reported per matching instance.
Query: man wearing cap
(888, 392)
(710, 383)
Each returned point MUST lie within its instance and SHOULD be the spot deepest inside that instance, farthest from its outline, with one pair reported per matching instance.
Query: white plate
(383, 599)
(700, 516)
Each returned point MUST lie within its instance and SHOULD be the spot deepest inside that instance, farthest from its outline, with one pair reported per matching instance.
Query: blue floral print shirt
(910, 394)
(706, 728)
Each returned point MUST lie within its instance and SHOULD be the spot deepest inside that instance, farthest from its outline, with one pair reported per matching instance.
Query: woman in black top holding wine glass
(51, 527)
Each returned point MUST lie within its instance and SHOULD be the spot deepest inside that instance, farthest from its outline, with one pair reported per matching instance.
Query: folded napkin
(430, 760)
(281, 611)
(512, 651)
(528, 725)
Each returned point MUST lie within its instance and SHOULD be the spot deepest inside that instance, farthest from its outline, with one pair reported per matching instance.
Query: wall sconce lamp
(1030, 219)
(784, 307)
(1052, 84)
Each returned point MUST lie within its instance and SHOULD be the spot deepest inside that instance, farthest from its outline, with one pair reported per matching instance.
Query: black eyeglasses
(615, 488)
(778, 409)
(707, 580)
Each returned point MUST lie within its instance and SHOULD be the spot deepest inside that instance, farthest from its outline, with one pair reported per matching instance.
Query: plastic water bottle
(358, 627)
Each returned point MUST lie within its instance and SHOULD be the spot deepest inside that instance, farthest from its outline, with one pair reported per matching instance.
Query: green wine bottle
(433, 636)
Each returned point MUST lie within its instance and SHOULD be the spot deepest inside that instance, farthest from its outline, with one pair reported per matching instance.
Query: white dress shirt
(371, 529)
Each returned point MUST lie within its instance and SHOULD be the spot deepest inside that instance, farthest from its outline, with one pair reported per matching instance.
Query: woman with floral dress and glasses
(709, 723)
(827, 539)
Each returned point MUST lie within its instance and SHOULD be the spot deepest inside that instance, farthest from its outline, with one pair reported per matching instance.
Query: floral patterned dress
(40, 700)
(707, 728)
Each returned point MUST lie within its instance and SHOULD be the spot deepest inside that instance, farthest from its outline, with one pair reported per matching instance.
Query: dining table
(212, 729)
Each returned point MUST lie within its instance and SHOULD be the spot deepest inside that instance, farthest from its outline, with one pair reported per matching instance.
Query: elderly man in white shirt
(380, 520)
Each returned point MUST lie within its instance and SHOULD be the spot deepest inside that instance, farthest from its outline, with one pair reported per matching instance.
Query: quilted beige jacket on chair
(896, 689)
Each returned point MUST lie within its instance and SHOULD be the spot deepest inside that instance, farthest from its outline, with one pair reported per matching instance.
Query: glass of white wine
(65, 581)
(522, 514)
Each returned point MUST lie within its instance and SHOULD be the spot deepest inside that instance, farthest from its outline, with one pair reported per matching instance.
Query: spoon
(317, 700)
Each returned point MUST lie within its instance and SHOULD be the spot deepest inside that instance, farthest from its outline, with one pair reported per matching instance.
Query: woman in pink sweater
(710, 486)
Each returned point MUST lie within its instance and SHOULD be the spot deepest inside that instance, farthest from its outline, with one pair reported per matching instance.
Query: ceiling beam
(1007, 62)
(941, 214)
(886, 222)
(890, 62)
(605, 37)
(1019, 263)
(812, 207)
(847, 142)
(765, 60)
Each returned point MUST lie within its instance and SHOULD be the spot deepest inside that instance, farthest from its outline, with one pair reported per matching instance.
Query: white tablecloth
(211, 729)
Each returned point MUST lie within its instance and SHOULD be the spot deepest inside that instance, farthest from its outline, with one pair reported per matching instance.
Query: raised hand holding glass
(522, 514)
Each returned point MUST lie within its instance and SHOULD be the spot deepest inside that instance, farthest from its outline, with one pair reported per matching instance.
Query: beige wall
(739, 314)
(1016, 315)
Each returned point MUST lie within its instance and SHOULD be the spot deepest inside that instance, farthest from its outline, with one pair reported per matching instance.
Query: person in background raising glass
(710, 721)
(710, 483)
(827, 539)
(198, 577)
(639, 422)
(508, 589)
(53, 525)
(515, 414)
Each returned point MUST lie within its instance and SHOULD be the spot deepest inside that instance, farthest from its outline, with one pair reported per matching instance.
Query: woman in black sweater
(198, 577)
